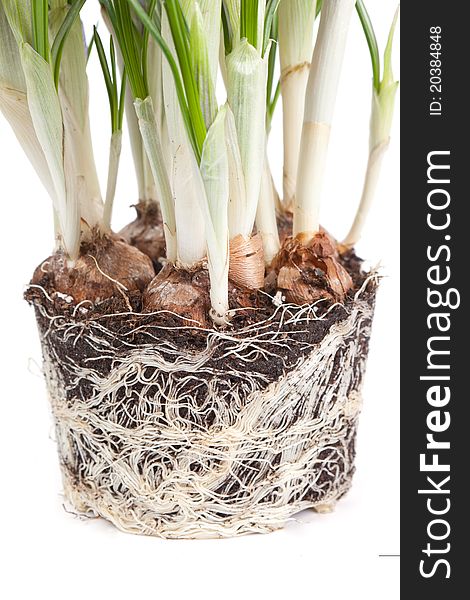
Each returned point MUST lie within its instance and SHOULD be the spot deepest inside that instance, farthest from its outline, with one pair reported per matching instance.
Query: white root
(138, 448)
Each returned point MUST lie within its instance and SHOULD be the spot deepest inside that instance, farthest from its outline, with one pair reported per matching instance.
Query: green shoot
(269, 22)
(318, 8)
(201, 66)
(89, 49)
(272, 105)
(249, 21)
(130, 43)
(185, 82)
(384, 85)
(383, 104)
(116, 97)
(122, 100)
(230, 24)
(371, 42)
(387, 77)
(145, 42)
(59, 41)
(149, 25)
(179, 32)
(271, 99)
(227, 30)
(40, 20)
(384, 97)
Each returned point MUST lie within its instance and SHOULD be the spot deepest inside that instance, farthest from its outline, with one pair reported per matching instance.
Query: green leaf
(146, 39)
(371, 41)
(46, 116)
(383, 101)
(269, 18)
(179, 33)
(201, 67)
(318, 9)
(231, 23)
(271, 100)
(129, 41)
(271, 106)
(40, 16)
(187, 108)
(110, 80)
(249, 21)
(58, 45)
(14, 103)
(122, 100)
(387, 77)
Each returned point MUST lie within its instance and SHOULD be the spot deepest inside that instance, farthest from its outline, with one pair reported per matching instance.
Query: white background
(51, 554)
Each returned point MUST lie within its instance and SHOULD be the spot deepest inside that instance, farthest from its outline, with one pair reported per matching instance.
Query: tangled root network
(190, 442)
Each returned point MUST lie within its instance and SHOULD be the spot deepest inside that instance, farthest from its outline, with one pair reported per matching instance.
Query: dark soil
(125, 328)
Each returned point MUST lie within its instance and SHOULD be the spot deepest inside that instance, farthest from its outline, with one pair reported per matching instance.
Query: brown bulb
(184, 293)
(309, 270)
(146, 232)
(106, 267)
